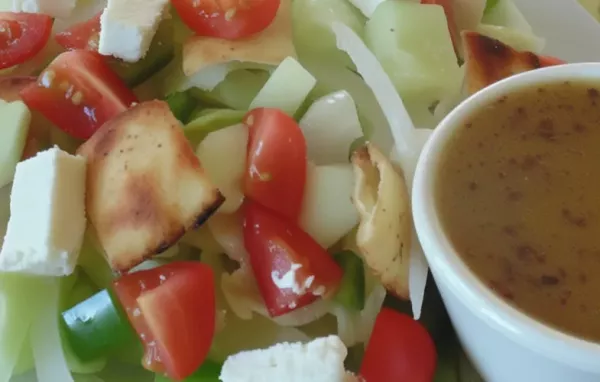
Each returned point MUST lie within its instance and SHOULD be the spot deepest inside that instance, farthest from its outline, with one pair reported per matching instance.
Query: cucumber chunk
(197, 129)
(15, 117)
(237, 91)
(352, 289)
(161, 52)
(286, 89)
(414, 46)
(313, 37)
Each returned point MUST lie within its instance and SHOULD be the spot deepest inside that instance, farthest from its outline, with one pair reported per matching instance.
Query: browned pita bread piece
(488, 60)
(145, 186)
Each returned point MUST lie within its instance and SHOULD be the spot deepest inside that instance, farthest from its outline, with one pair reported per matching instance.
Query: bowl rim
(450, 269)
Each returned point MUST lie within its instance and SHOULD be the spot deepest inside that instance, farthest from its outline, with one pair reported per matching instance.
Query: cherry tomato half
(172, 308)
(22, 36)
(400, 349)
(227, 19)
(276, 173)
(78, 92)
(291, 269)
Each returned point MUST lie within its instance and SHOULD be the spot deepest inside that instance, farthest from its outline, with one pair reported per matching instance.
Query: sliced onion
(356, 327)
(408, 141)
(327, 142)
(50, 362)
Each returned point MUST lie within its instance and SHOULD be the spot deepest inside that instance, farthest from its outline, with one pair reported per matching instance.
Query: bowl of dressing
(506, 202)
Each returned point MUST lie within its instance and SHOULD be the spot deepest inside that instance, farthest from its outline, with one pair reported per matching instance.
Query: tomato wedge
(449, 12)
(227, 19)
(172, 308)
(22, 36)
(291, 269)
(400, 349)
(85, 35)
(78, 93)
(276, 173)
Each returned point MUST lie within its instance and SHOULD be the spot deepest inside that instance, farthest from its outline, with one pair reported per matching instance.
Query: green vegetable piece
(161, 52)
(93, 263)
(199, 128)
(238, 89)
(489, 6)
(97, 326)
(208, 372)
(182, 105)
(352, 289)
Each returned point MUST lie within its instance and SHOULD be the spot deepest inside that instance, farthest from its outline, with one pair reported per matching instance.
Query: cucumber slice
(286, 89)
(161, 52)
(182, 105)
(313, 37)
(413, 44)
(15, 117)
(196, 130)
(236, 92)
(506, 14)
(352, 288)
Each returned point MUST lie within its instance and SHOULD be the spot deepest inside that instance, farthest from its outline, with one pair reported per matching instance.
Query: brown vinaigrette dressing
(519, 198)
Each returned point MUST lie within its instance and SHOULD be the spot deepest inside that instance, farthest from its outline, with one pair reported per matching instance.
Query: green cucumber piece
(286, 89)
(182, 105)
(15, 117)
(160, 54)
(97, 326)
(208, 372)
(352, 288)
(237, 91)
(414, 46)
(199, 128)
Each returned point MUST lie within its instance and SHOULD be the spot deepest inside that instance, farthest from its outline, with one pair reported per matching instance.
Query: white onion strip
(408, 141)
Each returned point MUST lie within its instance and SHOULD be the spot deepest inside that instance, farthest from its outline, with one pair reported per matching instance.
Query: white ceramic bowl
(503, 343)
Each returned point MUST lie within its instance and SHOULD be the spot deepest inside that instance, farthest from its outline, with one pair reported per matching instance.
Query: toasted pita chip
(268, 47)
(488, 60)
(145, 186)
(384, 233)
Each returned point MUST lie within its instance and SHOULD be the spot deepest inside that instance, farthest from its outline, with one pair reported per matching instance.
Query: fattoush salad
(219, 190)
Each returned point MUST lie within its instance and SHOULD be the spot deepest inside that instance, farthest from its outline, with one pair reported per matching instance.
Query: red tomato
(400, 349)
(227, 19)
(78, 93)
(291, 269)
(172, 308)
(22, 36)
(449, 12)
(276, 172)
(85, 35)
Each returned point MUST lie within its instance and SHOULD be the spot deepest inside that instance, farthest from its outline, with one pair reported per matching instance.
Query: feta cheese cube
(127, 27)
(47, 221)
(321, 360)
(56, 8)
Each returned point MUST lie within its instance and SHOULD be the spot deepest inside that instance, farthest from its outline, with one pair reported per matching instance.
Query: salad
(220, 190)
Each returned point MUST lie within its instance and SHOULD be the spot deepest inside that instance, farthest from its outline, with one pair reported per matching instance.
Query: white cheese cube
(127, 27)
(321, 360)
(47, 221)
(56, 8)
